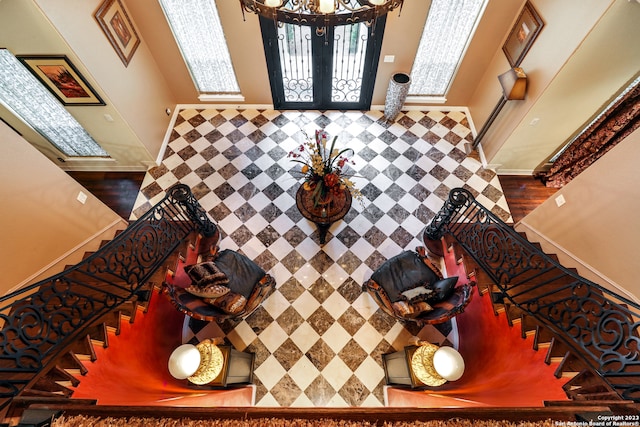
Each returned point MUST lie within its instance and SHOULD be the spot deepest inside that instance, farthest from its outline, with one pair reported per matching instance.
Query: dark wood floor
(524, 194)
(119, 190)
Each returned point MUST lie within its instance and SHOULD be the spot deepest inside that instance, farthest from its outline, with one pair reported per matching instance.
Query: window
(28, 99)
(198, 32)
(445, 38)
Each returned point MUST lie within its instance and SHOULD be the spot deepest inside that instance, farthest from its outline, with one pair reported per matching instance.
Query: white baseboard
(223, 107)
(270, 107)
(142, 168)
(425, 108)
(528, 172)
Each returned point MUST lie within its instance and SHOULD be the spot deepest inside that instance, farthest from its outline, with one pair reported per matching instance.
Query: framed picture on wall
(59, 75)
(116, 25)
(522, 35)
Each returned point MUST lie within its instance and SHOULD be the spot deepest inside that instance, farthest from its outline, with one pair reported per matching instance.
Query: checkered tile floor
(318, 339)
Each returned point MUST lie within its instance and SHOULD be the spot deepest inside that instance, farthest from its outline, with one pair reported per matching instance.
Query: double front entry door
(334, 70)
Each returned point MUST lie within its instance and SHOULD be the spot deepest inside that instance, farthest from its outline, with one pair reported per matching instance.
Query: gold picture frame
(117, 26)
(522, 35)
(62, 79)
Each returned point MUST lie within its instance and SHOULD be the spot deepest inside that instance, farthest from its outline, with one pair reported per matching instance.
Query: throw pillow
(411, 309)
(421, 293)
(211, 291)
(404, 271)
(231, 302)
(205, 274)
(420, 307)
(443, 289)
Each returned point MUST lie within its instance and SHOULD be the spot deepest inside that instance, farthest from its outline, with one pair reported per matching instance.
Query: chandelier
(321, 13)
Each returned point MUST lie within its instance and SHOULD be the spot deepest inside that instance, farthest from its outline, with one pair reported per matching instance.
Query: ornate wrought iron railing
(39, 320)
(598, 325)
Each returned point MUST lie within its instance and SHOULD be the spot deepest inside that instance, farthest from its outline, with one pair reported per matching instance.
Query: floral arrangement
(323, 168)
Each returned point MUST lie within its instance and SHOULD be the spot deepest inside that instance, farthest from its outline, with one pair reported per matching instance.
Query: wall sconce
(514, 87)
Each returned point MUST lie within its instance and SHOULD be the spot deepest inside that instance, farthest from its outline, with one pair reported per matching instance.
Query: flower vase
(396, 95)
(326, 205)
(325, 199)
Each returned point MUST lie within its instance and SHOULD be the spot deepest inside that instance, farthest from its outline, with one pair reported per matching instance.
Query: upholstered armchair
(222, 285)
(411, 288)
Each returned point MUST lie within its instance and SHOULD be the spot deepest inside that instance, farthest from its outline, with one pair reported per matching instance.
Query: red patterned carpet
(133, 370)
(501, 368)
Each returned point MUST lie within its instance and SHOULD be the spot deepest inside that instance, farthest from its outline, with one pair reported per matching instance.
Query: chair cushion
(402, 272)
(442, 289)
(243, 273)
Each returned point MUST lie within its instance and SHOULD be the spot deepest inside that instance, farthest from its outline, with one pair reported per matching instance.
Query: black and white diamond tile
(318, 339)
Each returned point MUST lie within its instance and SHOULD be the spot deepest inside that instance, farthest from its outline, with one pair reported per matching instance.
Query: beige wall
(568, 79)
(153, 27)
(579, 60)
(597, 229)
(42, 222)
(401, 39)
(489, 37)
(138, 91)
(243, 38)
(136, 96)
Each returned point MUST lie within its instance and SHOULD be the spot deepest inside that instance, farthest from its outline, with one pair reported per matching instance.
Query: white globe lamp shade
(184, 361)
(448, 363)
(327, 6)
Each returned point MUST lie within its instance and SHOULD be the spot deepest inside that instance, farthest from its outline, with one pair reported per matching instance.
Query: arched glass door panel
(333, 70)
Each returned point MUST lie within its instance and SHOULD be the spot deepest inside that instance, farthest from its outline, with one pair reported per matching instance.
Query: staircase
(50, 329)
(590, 332)
(43, 357)
(65, 371)
(57, 383)
(543, 339)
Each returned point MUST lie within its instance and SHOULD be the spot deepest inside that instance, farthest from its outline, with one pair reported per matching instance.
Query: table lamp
(448, 363)
(434, 365)
(514, 87)
(199, 364)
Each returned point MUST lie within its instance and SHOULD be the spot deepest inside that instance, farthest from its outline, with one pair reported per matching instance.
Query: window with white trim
(447, 33)
(197, 29)
(28, 99)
